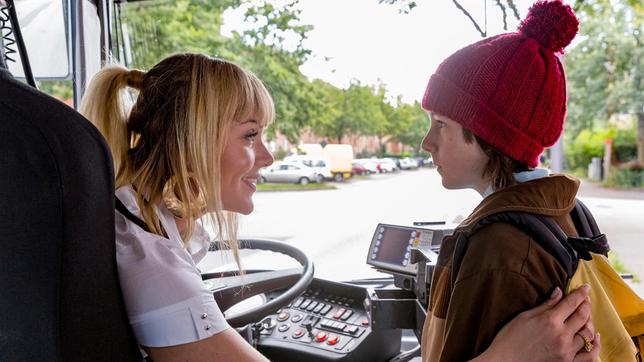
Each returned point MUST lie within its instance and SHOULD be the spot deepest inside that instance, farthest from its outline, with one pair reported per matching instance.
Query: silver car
(293, 172)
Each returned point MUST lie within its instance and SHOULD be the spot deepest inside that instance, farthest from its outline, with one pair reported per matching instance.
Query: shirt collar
(521, 177)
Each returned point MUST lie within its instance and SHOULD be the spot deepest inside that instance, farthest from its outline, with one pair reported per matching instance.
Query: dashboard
(334, 321)
(328, 322)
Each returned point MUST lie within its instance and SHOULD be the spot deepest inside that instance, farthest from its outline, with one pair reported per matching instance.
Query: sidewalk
(620, 215)
(592, 189)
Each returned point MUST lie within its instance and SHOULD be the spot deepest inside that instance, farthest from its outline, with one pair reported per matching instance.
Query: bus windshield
(347, 80)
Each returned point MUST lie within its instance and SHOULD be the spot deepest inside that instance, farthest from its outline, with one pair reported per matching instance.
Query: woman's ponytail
(107, 104)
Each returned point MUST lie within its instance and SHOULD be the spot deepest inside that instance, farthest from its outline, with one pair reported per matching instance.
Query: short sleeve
(166, 300)
(188, 321)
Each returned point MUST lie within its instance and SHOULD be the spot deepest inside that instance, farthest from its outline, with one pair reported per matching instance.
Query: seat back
(60, 298)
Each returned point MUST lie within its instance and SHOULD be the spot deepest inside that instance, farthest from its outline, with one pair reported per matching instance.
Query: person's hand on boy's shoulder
(556, 329)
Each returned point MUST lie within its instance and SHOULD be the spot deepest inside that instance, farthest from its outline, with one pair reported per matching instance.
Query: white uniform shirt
(166, 300)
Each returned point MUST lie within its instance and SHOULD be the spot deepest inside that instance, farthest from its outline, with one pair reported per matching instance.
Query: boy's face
(460, 163)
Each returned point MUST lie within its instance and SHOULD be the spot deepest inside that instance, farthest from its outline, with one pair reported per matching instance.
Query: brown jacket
(503, 271)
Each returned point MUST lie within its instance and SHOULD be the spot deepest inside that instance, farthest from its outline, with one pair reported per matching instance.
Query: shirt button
(204, 316)
(208, 327)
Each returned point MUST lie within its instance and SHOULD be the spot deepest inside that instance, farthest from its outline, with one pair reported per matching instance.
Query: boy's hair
(500, 168)
(169, 143)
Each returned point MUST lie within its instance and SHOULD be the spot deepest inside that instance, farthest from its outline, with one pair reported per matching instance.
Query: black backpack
(567, 250)
(618, 313)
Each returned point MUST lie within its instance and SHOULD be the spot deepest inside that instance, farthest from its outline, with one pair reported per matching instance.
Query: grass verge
(294, 187)
(621, 268)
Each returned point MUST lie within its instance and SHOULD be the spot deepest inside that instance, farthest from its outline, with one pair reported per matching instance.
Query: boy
(494, 106)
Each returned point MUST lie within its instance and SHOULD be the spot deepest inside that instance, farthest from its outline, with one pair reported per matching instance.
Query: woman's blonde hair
(169, 145)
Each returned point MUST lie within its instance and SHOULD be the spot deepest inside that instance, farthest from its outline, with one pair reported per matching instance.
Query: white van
(340, 158)
(320, 164)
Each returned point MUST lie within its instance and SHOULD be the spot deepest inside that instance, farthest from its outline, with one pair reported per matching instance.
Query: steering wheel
(230, 289)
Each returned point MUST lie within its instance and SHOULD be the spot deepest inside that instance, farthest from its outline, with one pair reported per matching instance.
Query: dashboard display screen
(391, 247)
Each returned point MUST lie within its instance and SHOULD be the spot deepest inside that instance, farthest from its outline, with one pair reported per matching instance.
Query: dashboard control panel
(328, 322)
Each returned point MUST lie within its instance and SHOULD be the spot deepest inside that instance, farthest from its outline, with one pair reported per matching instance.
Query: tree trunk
(640, 137)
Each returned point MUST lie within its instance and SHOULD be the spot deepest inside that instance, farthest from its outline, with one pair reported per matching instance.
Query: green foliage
(61, 89)
(619, 267)
(586, 145)
(605, 68)
(625, 178)
(405, 6)
(357, 110)
(411, 124)
(154, 30)
(158, 29)
(590, 143)
(625, 145)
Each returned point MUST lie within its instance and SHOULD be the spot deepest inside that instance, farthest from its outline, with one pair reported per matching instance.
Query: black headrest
(60, 296)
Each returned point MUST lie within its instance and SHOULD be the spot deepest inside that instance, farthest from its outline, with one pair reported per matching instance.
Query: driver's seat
(59, 292)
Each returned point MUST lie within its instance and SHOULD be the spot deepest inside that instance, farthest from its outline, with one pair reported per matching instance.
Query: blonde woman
(191, 145)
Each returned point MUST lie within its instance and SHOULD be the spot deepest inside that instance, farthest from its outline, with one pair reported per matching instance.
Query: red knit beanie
(510, 89)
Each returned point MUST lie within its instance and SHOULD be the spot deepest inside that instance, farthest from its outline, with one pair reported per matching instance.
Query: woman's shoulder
(131, 238)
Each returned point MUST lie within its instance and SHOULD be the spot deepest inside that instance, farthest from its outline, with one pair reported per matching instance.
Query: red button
(333, 340)
(298, 333)
(339, 313)
(365, 322)
(321, 337)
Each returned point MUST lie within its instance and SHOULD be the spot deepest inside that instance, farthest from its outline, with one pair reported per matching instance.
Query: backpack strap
(590, 239)
(129, 215)
(545, 232)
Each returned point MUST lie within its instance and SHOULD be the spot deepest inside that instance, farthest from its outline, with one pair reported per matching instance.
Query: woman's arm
(549, 332)
(225, 346)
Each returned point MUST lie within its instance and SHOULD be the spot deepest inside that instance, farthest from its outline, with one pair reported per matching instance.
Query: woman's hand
(557, 330)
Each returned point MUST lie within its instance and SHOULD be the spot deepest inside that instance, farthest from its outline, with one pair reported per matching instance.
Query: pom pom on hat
(551, 23)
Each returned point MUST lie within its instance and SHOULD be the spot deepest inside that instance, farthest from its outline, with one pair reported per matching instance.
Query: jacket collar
(551, 196)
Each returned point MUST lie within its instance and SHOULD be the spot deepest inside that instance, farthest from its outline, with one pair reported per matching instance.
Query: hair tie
(134, 78)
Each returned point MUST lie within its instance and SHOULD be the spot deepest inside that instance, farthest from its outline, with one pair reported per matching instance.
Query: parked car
(396, 161)
(387, 165)
(408, 163)
(358, 169)
(369, 163)
(320, 164)
(289, 171)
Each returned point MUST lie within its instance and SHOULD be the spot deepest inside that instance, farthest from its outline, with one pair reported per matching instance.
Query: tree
(605, 69)
(411, 124)
(356, 110)
(405, 6)
(156, 30)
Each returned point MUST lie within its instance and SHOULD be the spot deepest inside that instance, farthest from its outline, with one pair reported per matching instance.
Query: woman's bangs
(260, 102)
(255, 101)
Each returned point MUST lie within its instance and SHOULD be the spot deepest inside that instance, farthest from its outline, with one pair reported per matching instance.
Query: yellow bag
(617, 311)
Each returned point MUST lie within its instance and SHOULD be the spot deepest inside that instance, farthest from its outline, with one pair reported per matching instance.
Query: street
(335, 227)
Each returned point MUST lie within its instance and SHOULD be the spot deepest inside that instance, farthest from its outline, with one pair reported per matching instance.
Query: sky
(374, 43)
